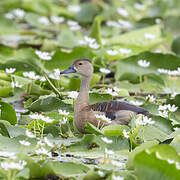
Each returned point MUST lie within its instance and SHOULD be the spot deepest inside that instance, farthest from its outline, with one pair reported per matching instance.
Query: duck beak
(69, 70)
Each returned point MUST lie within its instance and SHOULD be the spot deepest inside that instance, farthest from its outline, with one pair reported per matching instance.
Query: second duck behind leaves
(118, 111)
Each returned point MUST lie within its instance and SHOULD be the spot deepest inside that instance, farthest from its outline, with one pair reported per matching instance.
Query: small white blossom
(47, 119)
(157, 20)
(177, 165)
(64, 120)
(172, 108)
(104, 70)
(42, 79)
(117, 163)
(94, 45)
(139, 6)
(15, 84)
(109, 152)
(72, 23)
(55, 75)
(111, 92)
(125, 51)
(171, 161)
(116, 89)
(124, 24)
(10, 70)
(91, 42)
(43, 55)
(9, 15)
(13, 165)
(31, 75)
(176, 129)
(30, 134)
(106, 140)
(163, 113)
(75, 28)
(157, 51)
(41, 117)
(113, 24)
(122, 12)
(136, 102)
(125, 133)
(145, 120)
(57, 19)
(112, 52)
(162, 107)
(150, 98)
(48, 142)
(174, 94)
(149, 36)
(143, 63)
(101, 173)
(103, 118)
(19, 13)
(43, 151)
(63, 112)
(73, 94)
(74, 8)
(25, 143)
(117, 177)
(7, 154)
(44, 20)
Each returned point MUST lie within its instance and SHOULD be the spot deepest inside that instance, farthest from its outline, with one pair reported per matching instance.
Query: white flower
(150, 98)
(176, 129)
(124, 24)
(116, 89)
(109, 152)
(143, 63)
(136, 102)
(125, 51)
(13, 165)
(162, 107)
(55, 75)
(48, 142)
(158, 20)
(43, 151)
(64, 113)
(110, 91)
(20, 13)
(25, 143)
(9, 15)
(73, 94)
(94, 45)
(44, 20)
(149, 36)
(31, 75)
(36, 116)
(103, 118)
(117, 177)
(42, 79)
(75, 28)
(47, 119)
(72, 23)
(7, 154)
(125, 133)
(104, 70)
(113, 24)
(64, 121)
(101, 173)
(171, 161)
(163, 113)
(15, 84)
(172, 108)
(177, 165)
(112, 52)
(74, 8)
(157, 51)
(145, 120)
(43, 55)
(117, 163)
(30, 134)
(163, 71)
(122, 12)
(139, 6)
(106, 140)
(10, 70)
(57, 19)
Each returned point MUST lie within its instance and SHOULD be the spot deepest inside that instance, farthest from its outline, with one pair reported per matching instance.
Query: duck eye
(80, 63)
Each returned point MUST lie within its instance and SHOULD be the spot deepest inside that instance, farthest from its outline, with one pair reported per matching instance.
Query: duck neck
(83, 97)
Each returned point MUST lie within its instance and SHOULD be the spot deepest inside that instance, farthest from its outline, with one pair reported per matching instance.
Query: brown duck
(119, 112)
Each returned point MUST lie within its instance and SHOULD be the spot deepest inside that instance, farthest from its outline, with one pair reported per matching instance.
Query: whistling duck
(119, 112)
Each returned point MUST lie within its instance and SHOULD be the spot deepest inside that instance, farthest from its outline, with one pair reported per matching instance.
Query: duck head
(81, 66)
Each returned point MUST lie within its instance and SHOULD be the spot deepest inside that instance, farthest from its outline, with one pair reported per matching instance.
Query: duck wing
(112, 108)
